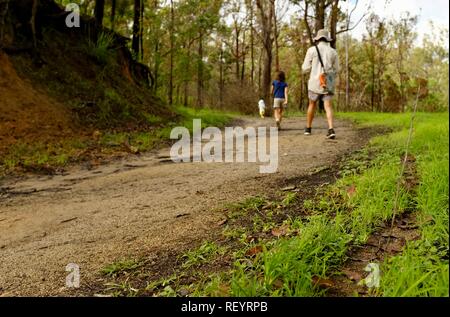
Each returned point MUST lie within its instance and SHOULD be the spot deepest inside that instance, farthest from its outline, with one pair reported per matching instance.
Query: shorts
(278, 103)
(314, 97)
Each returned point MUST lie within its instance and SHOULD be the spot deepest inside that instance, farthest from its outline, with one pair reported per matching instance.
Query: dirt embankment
(28, 114)
(69, 85)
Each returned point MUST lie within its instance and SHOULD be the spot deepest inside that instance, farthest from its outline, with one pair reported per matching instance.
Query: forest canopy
(224, 53)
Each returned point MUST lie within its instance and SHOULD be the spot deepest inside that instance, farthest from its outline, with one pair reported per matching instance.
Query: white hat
(323, 34)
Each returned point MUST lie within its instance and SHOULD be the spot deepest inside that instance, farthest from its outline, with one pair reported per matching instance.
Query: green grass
(202, 254)
(40, 155)
(100, 50)
(120, 267)
(341, 218)
(423, 268)
(340, 215)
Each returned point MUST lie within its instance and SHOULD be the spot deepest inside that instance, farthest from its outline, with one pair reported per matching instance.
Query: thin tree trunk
(260, 73)
(3, 13)
(252, 45)
(276, 35)
(172, 21)
(347, 71)
(113, 14)
(136, 28)
(221, 78)
(141, 32)
(266, 15)
(99, 11)
(237, 32)
(373, 86)
(33, 22)
(333, 22)
(320, 15)
(200, 71)
(243, 59)
(186, 81)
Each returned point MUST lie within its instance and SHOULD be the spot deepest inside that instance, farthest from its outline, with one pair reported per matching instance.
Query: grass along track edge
(292, 245)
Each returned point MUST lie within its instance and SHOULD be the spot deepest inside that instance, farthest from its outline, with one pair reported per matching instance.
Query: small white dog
(262, 108)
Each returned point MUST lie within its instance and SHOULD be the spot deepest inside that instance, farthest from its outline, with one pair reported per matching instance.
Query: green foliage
(101, 50)
(286, 266)
(120, 267)
(201, 255)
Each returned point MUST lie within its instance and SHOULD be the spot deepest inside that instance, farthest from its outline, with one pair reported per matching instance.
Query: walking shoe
(307, 131)
(278, 125)
(331, 134)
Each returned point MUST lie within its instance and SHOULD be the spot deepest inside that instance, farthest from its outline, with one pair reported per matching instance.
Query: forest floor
(143, 205)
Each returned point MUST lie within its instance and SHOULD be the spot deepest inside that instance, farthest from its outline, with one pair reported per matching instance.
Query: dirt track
(135, 207)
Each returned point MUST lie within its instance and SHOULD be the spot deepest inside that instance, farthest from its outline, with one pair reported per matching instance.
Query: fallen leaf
(351, 191)
(254, 251)
(322, 282)
(223, 290)
(280, 231)
(278, 283)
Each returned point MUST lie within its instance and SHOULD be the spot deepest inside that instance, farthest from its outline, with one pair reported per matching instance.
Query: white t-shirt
(261, 105)
(312, 64)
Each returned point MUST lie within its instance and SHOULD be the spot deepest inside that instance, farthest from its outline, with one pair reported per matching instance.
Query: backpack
(326, 79)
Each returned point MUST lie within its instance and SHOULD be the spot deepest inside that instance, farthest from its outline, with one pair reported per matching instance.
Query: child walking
(279, 91)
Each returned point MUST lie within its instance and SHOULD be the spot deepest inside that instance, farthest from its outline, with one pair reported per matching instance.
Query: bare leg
(310, 114)
(329, 110)
(281, 113)
(276, 113)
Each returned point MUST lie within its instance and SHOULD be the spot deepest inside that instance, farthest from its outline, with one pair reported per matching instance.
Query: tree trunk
(252, 45)
(99, 11)
(172, 21)
(243, 59)
(333, 22)
(200, 71)
(236, 51)
(305, 20)
(320, 15)
(276, 35)
(3, 13)
(136, 28)
(186, 81)
(156, 55)
(221, 78)
(373, 86)
(113, 14)
(266, 14)
(141, 32)
(347, 70)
